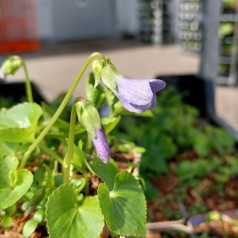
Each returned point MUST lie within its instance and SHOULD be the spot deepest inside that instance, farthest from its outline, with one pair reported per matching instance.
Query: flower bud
(105, 71)
(101, 145)
(11, 65)
(97, 66)
(88, 116)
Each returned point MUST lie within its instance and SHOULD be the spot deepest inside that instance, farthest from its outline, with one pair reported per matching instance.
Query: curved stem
(65, 101)
(27, 83)
(70, 149)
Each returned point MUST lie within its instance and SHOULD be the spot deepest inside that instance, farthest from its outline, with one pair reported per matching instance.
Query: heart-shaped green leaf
(13, 183)
(66, 218)
(19, 123)
(106, 172)
(7, 148)
(124, 207)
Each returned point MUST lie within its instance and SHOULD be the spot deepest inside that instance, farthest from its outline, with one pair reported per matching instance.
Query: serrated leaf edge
(13, 184)
(46, 210)
(145, 215)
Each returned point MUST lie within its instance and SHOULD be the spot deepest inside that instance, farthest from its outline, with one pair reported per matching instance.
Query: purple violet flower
(138, 95)
(101, 145)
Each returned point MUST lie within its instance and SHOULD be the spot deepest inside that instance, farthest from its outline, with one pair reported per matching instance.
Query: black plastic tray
(14, 91)
(198, 92)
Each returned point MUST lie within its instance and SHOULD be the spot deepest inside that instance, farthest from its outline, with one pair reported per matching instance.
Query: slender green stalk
(27, 83)
(70, 149)
(65, 101)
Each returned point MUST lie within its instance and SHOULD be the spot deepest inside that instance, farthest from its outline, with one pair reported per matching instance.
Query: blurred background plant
(187, 159)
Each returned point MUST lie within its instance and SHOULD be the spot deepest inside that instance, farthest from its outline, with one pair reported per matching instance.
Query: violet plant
(50, 181)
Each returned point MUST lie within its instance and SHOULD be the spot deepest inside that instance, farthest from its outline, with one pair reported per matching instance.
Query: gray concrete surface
(54, 67)
(226, 105)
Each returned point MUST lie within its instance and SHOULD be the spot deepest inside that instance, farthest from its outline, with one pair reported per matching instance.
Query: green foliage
(13, 183)
(19, 123)
(32, 224)
(212, 138)
(50, 172)
(67, 218)
(175, 127)
(6, 220)
(124, 206)
(47, 192)
(191, 169)
(157, 153)
(51, 175)
(107, 172)
(180, 144)
(79, 160)
(226, 28)
(229, 3)
(110, 123)
(7, 149)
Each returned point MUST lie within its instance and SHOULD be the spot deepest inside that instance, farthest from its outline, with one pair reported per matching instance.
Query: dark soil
(178, 199)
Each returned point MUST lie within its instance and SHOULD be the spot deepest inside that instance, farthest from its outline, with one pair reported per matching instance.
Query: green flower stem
(66, 99)
(70, 149)
(28, 83)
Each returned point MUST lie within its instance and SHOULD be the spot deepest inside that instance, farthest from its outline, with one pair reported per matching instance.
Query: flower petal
(157, 85)
(101, 145)
(138, 95)
(135, 91)
(154, 101)
(134, 107)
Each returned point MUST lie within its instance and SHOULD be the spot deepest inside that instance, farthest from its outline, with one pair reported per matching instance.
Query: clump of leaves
(175, 128)
(178, 141)
(56, 172)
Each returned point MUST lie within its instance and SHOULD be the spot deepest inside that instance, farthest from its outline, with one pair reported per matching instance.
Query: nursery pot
(200, 93)
(197, 91)
(15, 91)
